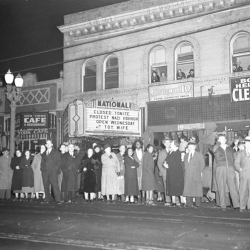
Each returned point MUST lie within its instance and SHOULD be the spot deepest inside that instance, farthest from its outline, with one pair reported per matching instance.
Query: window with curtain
(111, 72)
(89, 76)
(184, 59)
(240, 52)
(158, 65)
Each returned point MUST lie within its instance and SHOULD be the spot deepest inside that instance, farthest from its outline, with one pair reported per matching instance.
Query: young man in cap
(225, 172)
(242, 165)
(6, 174)
(193, 164)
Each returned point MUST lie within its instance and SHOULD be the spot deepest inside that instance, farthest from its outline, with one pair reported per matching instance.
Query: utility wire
(131, 47)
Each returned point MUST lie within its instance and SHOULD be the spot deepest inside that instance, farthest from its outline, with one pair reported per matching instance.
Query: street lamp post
(13, 94)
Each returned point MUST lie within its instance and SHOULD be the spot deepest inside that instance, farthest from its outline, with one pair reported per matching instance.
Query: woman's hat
(247, 138)
(106, 146)
(191, 143)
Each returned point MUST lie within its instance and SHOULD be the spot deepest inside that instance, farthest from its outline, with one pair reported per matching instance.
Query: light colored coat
(193, 175)
(36, 167)
(242, 164)
(6, 173)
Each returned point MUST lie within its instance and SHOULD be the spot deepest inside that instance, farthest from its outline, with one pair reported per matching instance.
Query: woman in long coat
(36, 167)
(175, 175)
(148, 179)
(88, 178)
(27, 174)
(194, 164)
(16, 186)
(70, 167)
(97, 158)
(159, 186)
(120, 157)
(131, 180)
(110, 171)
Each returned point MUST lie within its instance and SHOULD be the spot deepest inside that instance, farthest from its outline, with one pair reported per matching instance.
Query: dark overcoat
(193, 175)
(131, 180)
(175, 176)
(17, 173)
(88, 176)
(98, 167)
(27, 172)
(69, 167)
(148, 179)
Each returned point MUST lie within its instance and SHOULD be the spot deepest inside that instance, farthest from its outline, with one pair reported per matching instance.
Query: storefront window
(89, 76)
(111, 72)
(158, 65)
(184, 58)
(240, 51)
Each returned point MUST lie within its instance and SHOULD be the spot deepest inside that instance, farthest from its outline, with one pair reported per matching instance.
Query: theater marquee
(111, 118)
(240, 89)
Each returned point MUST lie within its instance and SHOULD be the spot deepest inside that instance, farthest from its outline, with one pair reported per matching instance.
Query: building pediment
(84, 26)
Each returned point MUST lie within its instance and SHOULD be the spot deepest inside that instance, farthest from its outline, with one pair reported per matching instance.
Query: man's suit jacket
(52, 161)
(242, 164)
(161, 158)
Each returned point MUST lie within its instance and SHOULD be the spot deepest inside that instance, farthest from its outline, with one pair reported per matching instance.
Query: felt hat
(106, 146)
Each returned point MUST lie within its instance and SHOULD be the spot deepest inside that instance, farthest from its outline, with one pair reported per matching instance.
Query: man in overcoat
(70, 165)
(162, 171)
(6, 174)
(225, 172)
(242, 165)
(193, 165)
(51, 167)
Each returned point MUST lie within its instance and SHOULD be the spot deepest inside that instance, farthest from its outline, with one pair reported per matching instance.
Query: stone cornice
(149, 16)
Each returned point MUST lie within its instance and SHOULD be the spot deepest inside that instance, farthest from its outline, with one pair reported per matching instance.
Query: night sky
(30, 26)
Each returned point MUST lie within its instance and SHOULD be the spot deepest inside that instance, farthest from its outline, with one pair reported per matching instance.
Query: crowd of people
(132, 175)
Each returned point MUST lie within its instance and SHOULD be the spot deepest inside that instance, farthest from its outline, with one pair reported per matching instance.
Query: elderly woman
(27, 174)
(110, 171)
(148, 180)
(36, 167)
(16, 186)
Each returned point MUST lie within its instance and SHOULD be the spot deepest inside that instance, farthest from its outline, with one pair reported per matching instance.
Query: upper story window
(184, 58)
(89, 76)
(111, 72)
(158, 64)
(240, 52)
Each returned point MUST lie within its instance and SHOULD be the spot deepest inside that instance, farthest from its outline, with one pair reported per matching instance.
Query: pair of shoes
(86, 201)
(91, 201)
(194, 206)
(113, 202)
(237, 208)
(172, 205)
(74, 201)
(69, 201)
(223, 209)
(178, 205)
(45, 202)
(59, 202)
(15, 199)
(127, 202)
(151, 203)
(167, 204)
(242, 210)
(108, 202)
(133, 202)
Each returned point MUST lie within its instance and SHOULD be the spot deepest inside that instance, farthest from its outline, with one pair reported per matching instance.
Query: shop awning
(233, 125)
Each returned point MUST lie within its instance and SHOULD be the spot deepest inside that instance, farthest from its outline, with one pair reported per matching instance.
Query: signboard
(32, 134)
(110, 118)
(240, 89)
(171, 91)
(36, 120)
(194, 126)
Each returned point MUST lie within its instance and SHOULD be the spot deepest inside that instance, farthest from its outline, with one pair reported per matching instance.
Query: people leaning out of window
(155, 77)
(191, 74)
(180, 75)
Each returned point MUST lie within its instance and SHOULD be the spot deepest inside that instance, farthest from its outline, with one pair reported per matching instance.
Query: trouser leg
(66, 196)
(46, 185)
(232, 186)
(248, 198)
(73, 195)
(189, 201)
(198, 201)
(2, 194)
(167, 197)
(221, 184)
(53, 177)
(243, 193)
(8, 193)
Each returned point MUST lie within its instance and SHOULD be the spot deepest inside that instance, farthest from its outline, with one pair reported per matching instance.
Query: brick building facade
(120, 51)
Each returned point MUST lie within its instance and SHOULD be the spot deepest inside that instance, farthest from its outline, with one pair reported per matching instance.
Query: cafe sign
(111, 118)
(240, 89)
(171, 91)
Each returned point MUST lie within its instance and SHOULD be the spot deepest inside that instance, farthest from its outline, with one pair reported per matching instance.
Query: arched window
(158, 65)
(240, 52)
(111, 72)
(89, 76)
(184, 58)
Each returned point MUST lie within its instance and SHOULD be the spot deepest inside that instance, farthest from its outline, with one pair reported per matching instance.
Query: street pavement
(33, 225)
